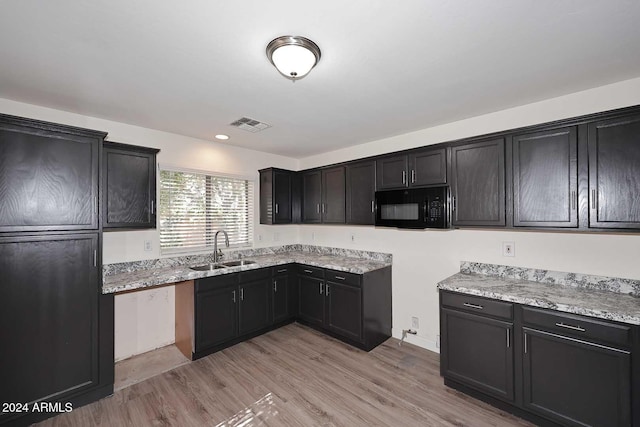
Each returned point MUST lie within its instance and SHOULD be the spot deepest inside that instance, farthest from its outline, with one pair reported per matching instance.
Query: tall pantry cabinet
(56, 327)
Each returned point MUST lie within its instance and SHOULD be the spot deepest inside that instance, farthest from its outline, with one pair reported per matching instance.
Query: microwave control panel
(435, 215)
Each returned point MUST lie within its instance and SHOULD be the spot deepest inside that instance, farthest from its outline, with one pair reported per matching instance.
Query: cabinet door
(129, 187)
(428, 167)
(311, 196)
(391, 172)
(282, 197)
(254, 306)
(344, 309)
(48, 181)
(266, 196)
(545, 179)
(477, 351)
(478, 184)
(576, 382)
(216, 316)
(49, 296)
(614, 177)
(333, 195)
(311, 299)
(361, 188)
(280, 292)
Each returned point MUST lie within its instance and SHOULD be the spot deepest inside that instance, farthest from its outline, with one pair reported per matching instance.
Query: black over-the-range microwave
(413, 208)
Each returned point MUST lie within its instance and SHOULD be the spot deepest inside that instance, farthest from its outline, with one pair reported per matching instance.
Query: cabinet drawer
(578, 326)
(209, 283)
(478, 305)
(282, 269)
(253, 275)
(309, 271)
(342, 277)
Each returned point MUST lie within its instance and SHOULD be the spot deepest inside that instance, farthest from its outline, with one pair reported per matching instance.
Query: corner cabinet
(614, 173)
(279, 196)
(129, 180)
(478, 184)
(352, 307)
(544, 365)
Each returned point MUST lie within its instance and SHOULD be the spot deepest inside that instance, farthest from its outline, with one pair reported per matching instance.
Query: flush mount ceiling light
(293, 56)
(222, 137)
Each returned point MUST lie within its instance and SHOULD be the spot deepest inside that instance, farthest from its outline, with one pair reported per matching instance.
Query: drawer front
(309, 271)
(342, 277)
(478, 305)
(282, 269)
(253, 275)
(578, 326)
(209, 283)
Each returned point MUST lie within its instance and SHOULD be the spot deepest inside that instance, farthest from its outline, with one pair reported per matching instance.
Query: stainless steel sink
(208, 267)
(238, 262)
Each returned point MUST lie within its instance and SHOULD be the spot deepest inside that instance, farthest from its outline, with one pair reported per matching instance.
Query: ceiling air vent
(250, 125)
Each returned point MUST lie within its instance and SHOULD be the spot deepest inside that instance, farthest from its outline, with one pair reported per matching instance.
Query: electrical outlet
(353, 238)
(437, 341)
(147, 246)
(259, 237)
(415, 323)
(276, 237)
(313, 237)
(508, 249)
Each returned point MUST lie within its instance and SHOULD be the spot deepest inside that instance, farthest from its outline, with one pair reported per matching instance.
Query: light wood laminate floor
(299, 377)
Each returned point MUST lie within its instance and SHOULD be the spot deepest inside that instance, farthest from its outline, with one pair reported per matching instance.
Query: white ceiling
(388, 67)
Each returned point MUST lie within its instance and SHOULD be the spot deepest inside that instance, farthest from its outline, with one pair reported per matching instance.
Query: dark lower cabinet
(344, 309)
(544, 365)
(57, 328)
(478, 351)
(355, 308)
(129, 186)
(216, 318)
(576, 382)
(284, 294)
(253, 307)
(311, 299)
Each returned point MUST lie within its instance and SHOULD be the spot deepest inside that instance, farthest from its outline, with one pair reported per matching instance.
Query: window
(194, 205)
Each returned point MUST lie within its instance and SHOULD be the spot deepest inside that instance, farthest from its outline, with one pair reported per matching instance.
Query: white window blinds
(193, 206)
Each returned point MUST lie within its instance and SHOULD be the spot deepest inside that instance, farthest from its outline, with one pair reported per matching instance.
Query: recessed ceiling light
(221, 136)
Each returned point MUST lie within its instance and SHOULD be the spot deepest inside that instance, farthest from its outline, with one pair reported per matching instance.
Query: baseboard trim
(416, 340)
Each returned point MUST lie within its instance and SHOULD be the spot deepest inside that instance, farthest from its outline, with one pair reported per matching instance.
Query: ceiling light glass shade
(293, 56)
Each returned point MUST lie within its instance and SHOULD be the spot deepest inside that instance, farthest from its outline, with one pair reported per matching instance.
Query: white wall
(144, 320)
(422, 258)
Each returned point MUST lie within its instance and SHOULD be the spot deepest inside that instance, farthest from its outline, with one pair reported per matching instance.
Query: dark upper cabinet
(49, 298)
(279, 196)
(418, 168)
(48, 176)
(360, 192)
(333, 195)
(478, 183)
(323, 196)
(129, 182)
(614, 173)
(392, 172)
(575, 382)
(545, 178)
(311, 196)
(428, 167)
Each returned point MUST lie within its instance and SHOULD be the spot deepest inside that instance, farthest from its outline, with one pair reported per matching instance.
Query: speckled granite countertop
(143, 274)
(596, 296)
